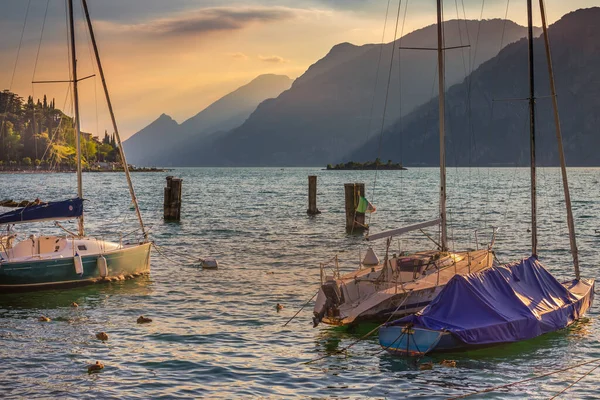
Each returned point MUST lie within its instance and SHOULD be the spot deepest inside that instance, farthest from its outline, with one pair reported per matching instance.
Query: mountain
(487, 126)
(327, 111)
(158, 143)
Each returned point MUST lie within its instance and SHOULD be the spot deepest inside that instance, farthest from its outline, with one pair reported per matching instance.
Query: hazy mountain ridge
(499, 131)
(326, 113)
(161, 142)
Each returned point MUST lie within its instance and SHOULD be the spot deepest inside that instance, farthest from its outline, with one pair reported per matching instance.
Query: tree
(27, 161)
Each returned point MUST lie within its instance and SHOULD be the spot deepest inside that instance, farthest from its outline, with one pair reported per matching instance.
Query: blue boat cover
(51, 211)
(503, 304)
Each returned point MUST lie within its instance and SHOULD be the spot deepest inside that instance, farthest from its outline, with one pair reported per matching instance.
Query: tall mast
(114, 121)
(76, 105)
(532, 131)
(561, 151)
(441, 98)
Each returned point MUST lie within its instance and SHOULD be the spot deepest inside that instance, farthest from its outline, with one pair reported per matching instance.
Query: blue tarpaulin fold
(51, 211)
(504, 304)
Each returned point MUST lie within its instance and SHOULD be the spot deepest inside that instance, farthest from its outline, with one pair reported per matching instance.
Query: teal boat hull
(125, 263)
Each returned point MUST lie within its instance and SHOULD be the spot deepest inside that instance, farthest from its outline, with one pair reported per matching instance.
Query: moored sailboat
(41, 262)
(504, 304)
(401, 284)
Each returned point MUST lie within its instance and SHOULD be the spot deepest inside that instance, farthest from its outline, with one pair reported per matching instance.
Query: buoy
(95, 367)
(279, 307)
(43, 318)
(143, 320)
(102, 336)
(448, 363)
(426, 366)
(102, 266)
(74, 305)
(78, 264)
(209, 263)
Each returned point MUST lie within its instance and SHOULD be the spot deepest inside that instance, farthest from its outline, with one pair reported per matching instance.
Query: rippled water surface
(217, 333)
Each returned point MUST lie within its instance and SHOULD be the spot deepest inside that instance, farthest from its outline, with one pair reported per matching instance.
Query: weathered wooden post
(355, 221)
(312, 196)
(172, 203)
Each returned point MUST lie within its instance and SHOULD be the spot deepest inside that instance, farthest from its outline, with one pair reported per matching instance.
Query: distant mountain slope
(158, 143)
(326, 113)
(499, 134)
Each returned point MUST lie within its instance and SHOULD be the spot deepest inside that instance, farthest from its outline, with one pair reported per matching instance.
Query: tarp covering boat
(504, 304)
(50, 211)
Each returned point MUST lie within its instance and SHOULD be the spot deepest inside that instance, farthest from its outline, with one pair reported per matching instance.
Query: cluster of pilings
(355, 221)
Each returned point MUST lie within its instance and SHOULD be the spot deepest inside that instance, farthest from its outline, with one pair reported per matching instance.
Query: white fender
(78, 264)
(102, 266)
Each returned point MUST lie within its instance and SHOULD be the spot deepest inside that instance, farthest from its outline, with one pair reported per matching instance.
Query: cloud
(208, 20)
(238, 56)
(273, 59)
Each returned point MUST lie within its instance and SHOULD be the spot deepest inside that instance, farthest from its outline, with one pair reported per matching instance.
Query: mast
(114, 121)
(532, 132)
(441, 98)
(81, 231)
(561, 151)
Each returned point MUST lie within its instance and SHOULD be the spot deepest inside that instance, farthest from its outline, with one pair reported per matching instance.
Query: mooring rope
(301, 308)
(361, 338)
(573, 384)
(495, 388)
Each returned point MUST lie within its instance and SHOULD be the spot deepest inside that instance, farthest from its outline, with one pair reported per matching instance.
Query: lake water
(216, 334)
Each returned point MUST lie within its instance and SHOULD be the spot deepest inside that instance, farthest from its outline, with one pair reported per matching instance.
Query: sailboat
(73, 259)
(503, 304)
(401, 284)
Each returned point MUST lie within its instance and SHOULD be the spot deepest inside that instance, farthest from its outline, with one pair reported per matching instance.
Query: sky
(179, 56)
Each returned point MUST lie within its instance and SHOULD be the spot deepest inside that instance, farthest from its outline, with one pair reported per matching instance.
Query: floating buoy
(102, 266)
(95, 367)
(43, 318)
(74, 305)
(279, 307)
(102, 336)
(426, 366)
(448, 363)
(143, 320)
(209, 263)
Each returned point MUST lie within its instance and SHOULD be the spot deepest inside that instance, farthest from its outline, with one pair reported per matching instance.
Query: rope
(301, 308)
(345, 348)
(361, 338)
(573, 384)
(495, 388)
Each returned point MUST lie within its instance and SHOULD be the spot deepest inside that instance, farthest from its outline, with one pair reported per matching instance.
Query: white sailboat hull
(378, 293)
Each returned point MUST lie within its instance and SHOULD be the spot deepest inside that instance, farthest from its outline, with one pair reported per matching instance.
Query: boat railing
(328, 264)
(492, 240)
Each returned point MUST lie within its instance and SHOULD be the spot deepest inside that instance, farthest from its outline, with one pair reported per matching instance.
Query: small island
(369, 165)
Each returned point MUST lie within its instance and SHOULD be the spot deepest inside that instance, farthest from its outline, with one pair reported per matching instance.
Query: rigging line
(368, 132)
(400, 121)
(89, 41)
(508, 385)
(12, 78)
(504, 26)
(33, 129)
(387, 92)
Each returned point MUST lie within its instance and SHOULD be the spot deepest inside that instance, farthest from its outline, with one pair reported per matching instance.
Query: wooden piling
(312, 196)
(355, 221)
(172, 203)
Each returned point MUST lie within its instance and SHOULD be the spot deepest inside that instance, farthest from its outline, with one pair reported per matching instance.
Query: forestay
(55, 210)
(504, 304)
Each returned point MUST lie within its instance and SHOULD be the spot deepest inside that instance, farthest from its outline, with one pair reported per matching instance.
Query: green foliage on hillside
(369, 165)
(39, 134)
